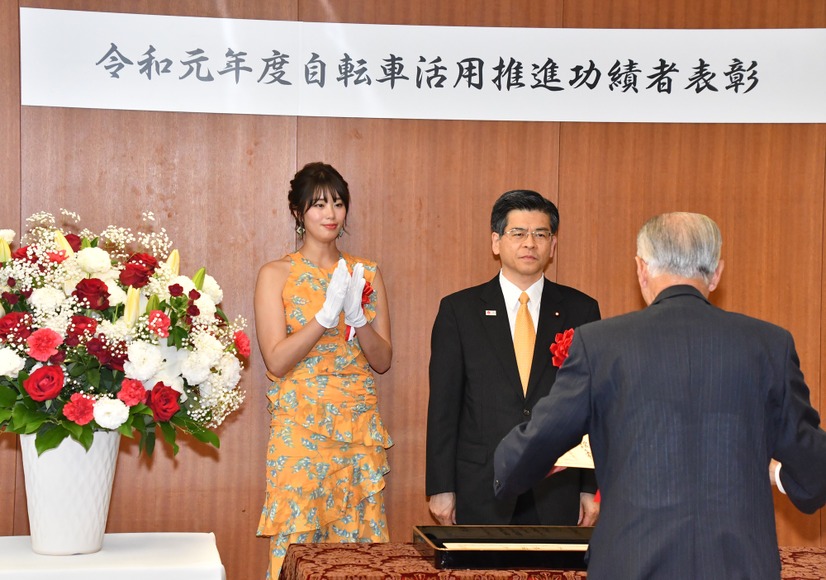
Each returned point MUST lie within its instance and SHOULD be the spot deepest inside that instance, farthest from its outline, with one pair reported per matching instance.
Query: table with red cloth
(395, 561)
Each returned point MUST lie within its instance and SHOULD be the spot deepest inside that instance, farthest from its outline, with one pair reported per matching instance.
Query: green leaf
(93, 377)
(7, 396)
(168, 432)
(49, 438)
(74, 429)
(5, 415)
(176, 337)
(25, 419)
(87, 437)
(126, 430)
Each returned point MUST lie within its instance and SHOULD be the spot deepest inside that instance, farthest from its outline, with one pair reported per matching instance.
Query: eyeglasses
(521, 234)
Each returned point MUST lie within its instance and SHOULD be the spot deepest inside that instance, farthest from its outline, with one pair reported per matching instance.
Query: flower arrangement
(559, 349)
(101, 332)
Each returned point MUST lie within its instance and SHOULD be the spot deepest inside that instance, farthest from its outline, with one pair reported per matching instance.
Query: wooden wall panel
(214, 182)
(424, 216)
(422, 192)
(763, 184)
(434, 191)
(10, 204)
(695, 14)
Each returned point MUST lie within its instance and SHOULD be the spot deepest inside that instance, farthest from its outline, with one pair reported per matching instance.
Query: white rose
(145, 360)
(110, 413)
(47, 298)
(208, 345)
(94, 260)
(7, 235)
(116, 294)
(206, 307)
(186, 283)
(196, 368)
(10, 363)
(212, 289)
(230, 370)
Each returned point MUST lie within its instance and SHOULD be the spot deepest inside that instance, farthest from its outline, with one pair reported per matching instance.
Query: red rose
(108, 354)
(559, 349)
(74, 241)
(176, 290)
(79, 409)
(15, 326)
(43, 344)
(22, 253)
(147, 260)
(163, 401)
(45, 383)
(12, 299)
(93, 293)
(132, 392)
(242, 343)
(135, 274)
(80, 327)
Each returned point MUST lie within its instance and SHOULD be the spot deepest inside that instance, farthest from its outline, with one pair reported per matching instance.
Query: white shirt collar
(511, 293)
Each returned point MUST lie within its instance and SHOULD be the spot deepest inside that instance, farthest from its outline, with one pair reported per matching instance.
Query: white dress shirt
(512, 293)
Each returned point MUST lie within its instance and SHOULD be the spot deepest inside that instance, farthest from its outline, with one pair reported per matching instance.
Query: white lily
(63, 244)
(133, 301)
(174, 262)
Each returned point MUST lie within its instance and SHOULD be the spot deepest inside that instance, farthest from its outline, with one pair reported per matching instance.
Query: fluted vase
(68, 491)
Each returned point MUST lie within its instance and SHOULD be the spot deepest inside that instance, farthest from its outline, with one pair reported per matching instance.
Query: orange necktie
(524, 338)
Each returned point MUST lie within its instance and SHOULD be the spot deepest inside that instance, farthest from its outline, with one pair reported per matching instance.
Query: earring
(299, 229)
(341, 233)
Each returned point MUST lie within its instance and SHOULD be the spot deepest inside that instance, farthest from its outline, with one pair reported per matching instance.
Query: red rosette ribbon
(366, 292)
(559, 349)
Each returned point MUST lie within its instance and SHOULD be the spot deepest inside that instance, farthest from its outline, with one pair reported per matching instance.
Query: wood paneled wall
(422, 193)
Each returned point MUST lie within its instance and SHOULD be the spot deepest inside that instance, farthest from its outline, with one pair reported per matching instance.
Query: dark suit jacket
(685, 405)
(476, 398)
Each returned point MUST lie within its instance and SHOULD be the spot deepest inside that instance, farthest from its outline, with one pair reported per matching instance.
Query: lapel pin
(490, 313)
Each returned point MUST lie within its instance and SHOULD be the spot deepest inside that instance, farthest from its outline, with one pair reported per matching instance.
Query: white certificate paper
(579, 456)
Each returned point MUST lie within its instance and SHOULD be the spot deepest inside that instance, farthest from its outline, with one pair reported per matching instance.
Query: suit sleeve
(557, 423)
(588, 478)
(801, 443)
(445, 403)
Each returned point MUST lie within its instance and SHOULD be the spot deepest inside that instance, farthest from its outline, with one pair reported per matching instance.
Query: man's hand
(588, 510)
(772, 471)
(443, 508)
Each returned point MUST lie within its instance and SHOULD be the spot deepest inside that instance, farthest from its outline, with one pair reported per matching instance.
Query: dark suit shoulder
(473, 292)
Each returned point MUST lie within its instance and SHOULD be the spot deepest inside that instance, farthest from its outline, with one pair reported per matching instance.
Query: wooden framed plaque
(505, 547)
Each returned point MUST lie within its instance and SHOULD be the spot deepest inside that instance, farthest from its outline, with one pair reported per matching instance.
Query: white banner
(217, 65)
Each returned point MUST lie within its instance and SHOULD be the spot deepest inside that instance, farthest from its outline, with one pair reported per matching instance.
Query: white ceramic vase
(68, 491)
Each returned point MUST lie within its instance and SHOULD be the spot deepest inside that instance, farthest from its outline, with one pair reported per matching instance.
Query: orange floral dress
(326, 457)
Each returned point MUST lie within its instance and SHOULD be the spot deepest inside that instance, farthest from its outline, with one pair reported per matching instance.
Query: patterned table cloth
(397, 561)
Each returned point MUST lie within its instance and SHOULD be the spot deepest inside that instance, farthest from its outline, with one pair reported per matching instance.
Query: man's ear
(715, 278)
(642, 272)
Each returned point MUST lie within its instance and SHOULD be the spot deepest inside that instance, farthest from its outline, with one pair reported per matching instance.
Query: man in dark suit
(685, 405)
(478, 391)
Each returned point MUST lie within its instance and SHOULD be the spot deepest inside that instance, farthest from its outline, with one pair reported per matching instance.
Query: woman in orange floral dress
(323, 327)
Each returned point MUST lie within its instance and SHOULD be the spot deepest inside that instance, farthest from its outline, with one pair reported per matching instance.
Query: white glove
(336, 293)
(353, 311)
